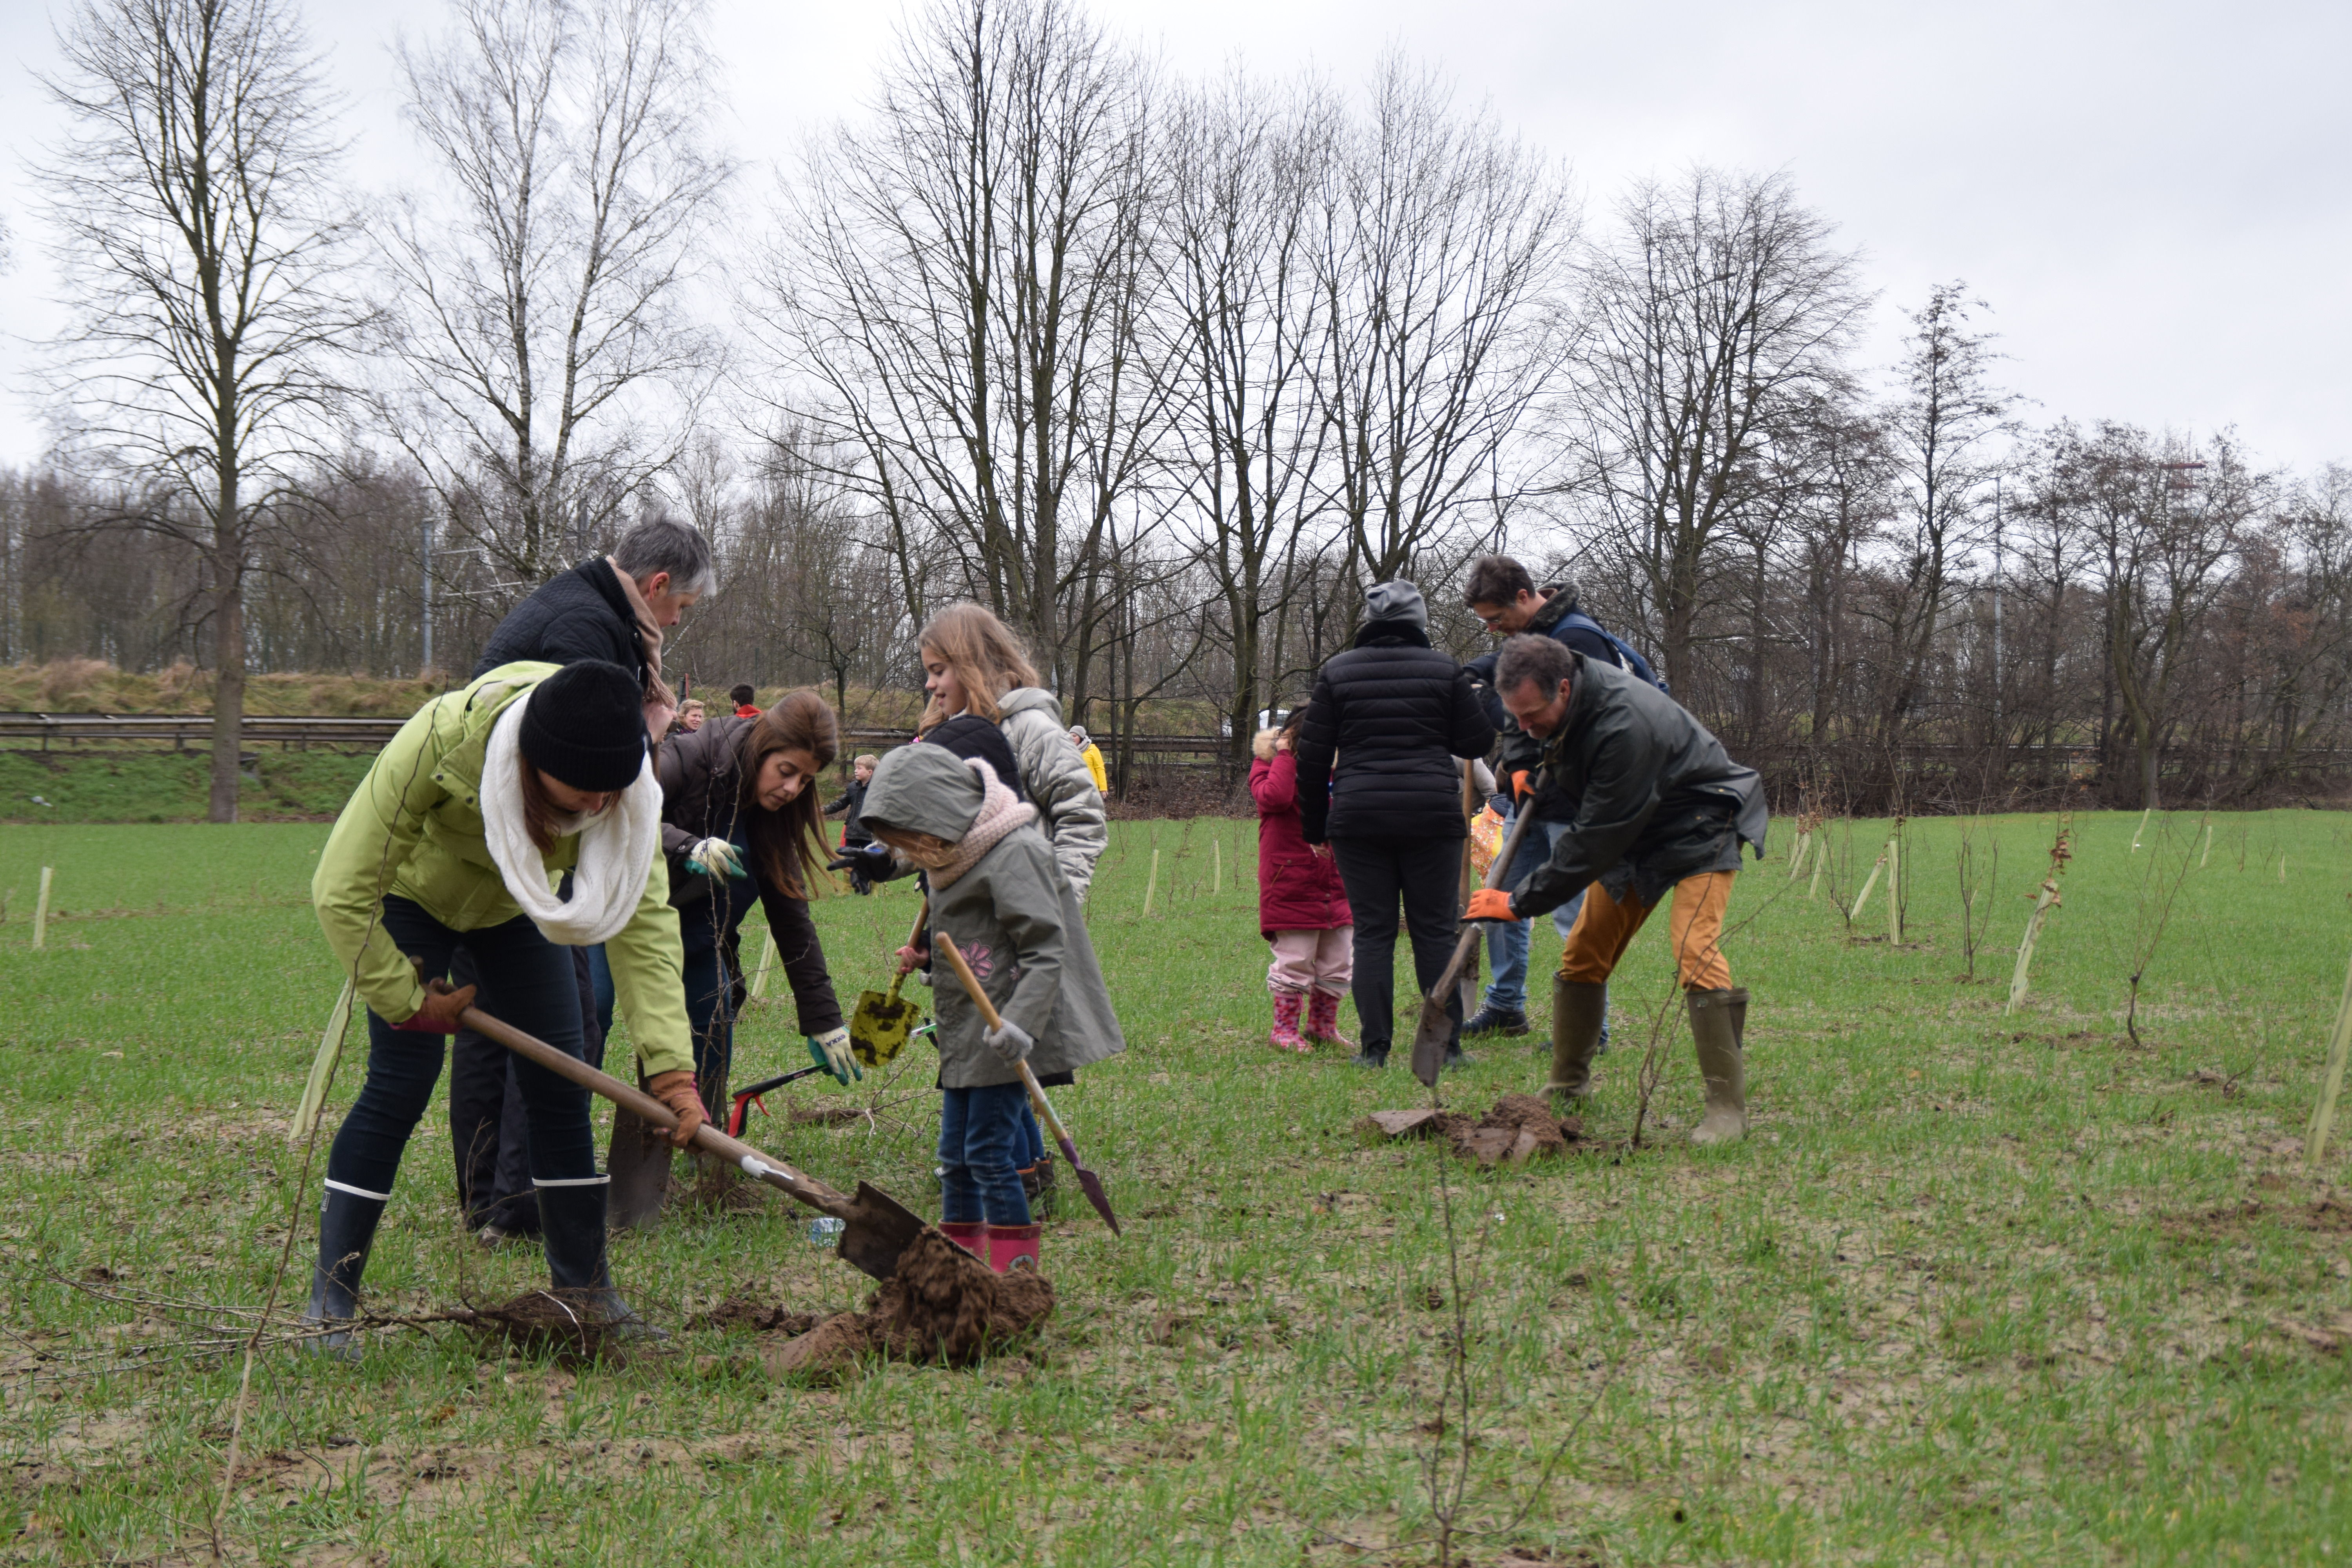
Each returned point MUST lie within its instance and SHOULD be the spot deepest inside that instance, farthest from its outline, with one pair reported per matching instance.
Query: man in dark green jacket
(1658, 805)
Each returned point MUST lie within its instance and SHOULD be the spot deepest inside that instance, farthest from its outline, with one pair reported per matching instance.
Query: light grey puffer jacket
(1013, 917)
(1054, 777)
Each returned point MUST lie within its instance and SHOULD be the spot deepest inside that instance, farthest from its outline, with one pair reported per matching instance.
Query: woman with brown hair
(741, 821)
(976, 673)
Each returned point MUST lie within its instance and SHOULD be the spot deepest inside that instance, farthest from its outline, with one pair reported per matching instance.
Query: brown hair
(539, 811)
(1496, 580)
(787, 845)
(987, 658)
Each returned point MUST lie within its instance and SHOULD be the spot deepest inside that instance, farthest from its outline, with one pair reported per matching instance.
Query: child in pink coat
(1302, 909)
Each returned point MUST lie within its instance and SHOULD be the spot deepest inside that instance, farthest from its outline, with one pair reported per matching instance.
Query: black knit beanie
(585, 726)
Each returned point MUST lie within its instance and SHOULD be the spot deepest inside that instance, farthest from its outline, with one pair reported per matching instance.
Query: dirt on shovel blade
(942, 1306)
(1521, 1127)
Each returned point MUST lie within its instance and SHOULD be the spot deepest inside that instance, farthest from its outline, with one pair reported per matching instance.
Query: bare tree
(1716, 312)
(1446, 246)
(962, 279)
(1244, 169)
(551, 363)
(204, 244)
(1941, 427)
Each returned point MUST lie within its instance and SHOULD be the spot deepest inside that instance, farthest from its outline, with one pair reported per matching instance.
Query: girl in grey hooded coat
(998, 895)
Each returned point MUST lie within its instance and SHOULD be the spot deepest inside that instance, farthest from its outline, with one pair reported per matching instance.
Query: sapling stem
(1893, 894)
(41, 908)
(2043, 902)
(2331, 1084)
(1867, 884)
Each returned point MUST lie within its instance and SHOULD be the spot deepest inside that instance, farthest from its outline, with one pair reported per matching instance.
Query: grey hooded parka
(1015, 919)
(1054, 776)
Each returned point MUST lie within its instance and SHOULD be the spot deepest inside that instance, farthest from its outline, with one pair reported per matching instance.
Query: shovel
(1088, 1182)
(881, 1025)
(876, 1226)
(1436, 1028)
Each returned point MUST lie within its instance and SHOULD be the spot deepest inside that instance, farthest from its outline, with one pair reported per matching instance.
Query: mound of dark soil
(942, 1307)
(1521, 1127)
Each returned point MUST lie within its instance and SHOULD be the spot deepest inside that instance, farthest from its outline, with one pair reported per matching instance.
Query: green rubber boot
(1579, 1011)
(1716, 1020)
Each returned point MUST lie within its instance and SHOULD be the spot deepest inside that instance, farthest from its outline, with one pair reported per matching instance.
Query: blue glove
(1010, 1041)
(830, 1051)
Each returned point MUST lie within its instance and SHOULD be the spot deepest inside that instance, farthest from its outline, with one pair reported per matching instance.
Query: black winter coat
(703, 797)
(853, 801)
(1657, 798)
(1397, 714)
(583, 614)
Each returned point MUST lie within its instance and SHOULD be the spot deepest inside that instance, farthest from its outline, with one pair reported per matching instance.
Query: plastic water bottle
(825, 1232)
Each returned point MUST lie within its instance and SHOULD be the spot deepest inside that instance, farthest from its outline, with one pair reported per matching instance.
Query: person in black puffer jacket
(1400, 717)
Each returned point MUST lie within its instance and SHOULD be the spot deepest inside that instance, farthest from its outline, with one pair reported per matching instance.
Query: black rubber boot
(1374, 1056)
(572, 1222)
(347, 1222)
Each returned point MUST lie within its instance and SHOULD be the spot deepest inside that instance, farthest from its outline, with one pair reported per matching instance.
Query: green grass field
(1976, 1288)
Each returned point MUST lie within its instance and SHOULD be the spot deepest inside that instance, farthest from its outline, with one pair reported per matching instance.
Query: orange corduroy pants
(1605, 927)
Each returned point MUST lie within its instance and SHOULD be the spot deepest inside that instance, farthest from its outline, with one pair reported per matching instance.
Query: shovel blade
(1429, 1040)
(878, 1228)
(1090, 1184)
(879, 1026)
(639, 1163)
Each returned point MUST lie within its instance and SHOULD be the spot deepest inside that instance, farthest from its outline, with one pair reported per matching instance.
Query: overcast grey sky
(2156, 199)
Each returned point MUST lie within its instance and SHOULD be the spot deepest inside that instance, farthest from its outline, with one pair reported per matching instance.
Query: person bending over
(1660, 807)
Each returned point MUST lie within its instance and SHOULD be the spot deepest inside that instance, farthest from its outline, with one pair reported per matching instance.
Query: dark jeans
(711, 1012)
(489, 1131)
(980, 1148)
(525, 980)
(1425, 874)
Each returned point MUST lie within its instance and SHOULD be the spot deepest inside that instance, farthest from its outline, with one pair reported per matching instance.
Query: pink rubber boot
(971, 1235)
(1287, 1005)
(1323, 1021)
(1008, 1245)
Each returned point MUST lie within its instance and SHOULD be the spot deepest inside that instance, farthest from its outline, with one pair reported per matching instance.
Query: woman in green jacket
(460, 832)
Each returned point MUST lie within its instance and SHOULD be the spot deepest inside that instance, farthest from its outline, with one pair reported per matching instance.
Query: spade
(881, 1025)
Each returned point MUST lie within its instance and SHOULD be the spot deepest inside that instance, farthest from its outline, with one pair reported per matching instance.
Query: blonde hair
(987, 658)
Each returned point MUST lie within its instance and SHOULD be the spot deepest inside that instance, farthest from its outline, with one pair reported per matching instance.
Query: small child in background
(1302, 908)
(997, 894)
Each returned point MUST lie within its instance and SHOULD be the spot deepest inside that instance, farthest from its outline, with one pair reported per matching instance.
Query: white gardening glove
(716, 858)
(830, 1051)
(1010, 1041)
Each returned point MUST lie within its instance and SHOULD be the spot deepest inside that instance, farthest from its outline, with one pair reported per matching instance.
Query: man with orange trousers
(1660, 807)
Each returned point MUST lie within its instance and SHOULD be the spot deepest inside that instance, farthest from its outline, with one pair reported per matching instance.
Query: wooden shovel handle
(922, 919)
(995, 1021)
(1503, 856)
(629, 1098)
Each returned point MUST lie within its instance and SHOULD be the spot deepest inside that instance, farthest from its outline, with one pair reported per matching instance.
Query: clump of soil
(942, 1306)
(572, 1324)
(1521, 1127)
(742, 1310)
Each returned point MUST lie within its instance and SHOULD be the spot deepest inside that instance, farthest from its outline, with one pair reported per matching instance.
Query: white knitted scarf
(616, 845)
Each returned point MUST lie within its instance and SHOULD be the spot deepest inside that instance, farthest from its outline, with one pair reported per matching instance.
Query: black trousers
(1425, 876)
(489, 1130)
(525, 979)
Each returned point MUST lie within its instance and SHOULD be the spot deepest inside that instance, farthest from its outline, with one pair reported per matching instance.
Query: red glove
(1519, 784)
(438, 1015)
(676, 1089)
(1490, 904)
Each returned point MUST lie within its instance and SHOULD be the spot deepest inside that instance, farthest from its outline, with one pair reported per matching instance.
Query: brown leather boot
(1578, 1011)
(1716, 1020)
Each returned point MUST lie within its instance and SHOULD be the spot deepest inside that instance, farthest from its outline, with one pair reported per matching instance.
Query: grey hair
(1527, 658)
(665, 544)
